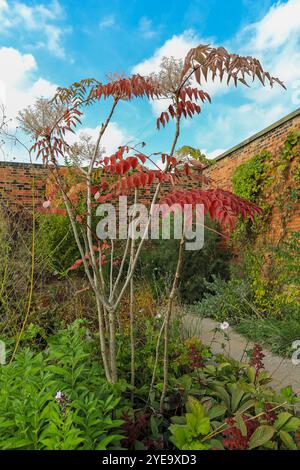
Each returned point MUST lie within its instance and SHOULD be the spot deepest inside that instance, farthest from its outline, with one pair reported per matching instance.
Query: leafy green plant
(158, 264)
(225, 300)
(55, 243)
(188, 432)
(57, 399)
(248, 178)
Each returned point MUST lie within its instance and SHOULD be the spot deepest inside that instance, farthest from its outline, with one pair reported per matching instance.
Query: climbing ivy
(273, 182)
(248, 178)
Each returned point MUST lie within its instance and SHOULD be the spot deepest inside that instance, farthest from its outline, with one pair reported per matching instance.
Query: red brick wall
(16, 179)
(270, 139)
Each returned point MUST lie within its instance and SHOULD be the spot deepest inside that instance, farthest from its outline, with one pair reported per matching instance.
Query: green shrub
(159, 259)
(57, 399)
(248, 177)
(55, 243)
(274, 276)
(276, 335)
(225, 300)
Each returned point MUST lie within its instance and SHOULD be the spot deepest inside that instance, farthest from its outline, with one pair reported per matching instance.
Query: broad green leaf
(195, 445)
(154, 427)
(180, 435)
(203, 426)
(292, 425)
(236, 397)
(195, 407)
(281, 420)
(241, 424)
(287, 440)
(260, 436)
(216, 411)
(221, 393)
(246, 405)
(108, 440)
(251, 374)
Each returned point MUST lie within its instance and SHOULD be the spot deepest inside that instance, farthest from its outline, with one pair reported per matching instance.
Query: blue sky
(44, 45)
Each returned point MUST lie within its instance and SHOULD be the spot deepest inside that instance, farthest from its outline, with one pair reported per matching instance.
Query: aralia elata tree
(103, 178)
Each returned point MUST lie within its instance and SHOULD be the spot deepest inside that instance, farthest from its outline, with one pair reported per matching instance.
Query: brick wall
(16, 179)
(270, 139)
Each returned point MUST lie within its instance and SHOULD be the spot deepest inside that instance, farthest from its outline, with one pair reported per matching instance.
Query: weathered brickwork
(270, 139)
(17, 179)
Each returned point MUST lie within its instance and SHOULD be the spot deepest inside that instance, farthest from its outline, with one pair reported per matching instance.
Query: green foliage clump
(275, 281)
(272, 271)
(248, 178)
(159, 259)
(277, 335)
(57, 399)
(55, 243)
(290, 150)
(225, 300)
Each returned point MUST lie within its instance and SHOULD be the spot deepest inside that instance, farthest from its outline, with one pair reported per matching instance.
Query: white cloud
(18, 82)
(146, 28)
(113, 137)
(177, 46)
(107, 22)
(275, 40)
(282, 20)
(35, 19)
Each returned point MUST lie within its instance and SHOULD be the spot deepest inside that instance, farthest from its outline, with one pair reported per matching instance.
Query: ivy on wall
(248, 178)
(271, 181)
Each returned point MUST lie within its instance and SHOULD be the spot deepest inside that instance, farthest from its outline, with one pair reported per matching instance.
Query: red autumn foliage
(185, 107)
(234, 439)
(222, 206)
(133, 428)
(204, 60)
(79, 262)
(257, 357)
(196, 359)
(127, 88)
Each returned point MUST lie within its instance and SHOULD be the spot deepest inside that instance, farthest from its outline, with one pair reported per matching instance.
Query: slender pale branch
(154, 199)
(167, 323)
(132, 335)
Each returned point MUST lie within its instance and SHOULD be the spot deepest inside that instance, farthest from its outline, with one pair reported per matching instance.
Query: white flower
(158, 315)
(59, 395)
(46, 204)
(224, 325)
